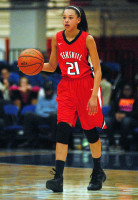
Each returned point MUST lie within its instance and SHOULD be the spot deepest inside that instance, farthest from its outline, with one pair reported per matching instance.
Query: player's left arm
(91, 46)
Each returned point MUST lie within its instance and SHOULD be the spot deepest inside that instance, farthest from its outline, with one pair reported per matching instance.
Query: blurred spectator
(45, 114)
(55, 78)
(106, 86)
(4, 88)
(123, 116)
(6, 80)
(36, 80)
(24, 94)
(12, 77)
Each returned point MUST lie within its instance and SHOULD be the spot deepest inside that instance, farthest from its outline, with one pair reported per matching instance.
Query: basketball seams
(38, 53)
(30, 65)
(29, 56)
(32, 73)
(31, 62)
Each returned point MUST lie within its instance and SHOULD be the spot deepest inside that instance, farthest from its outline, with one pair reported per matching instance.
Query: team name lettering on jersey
(73, 57)
(70, 54)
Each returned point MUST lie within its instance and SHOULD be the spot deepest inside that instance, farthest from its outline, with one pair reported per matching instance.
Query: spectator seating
(3, 63)
(36, 80)
(11, 128)
(28, 108)
(42, 128)
(115, 72)
(14, 67)
(55, 78)
(113, 66)
(136, 130)
(14, 78)
(11, 111)
(106, 110)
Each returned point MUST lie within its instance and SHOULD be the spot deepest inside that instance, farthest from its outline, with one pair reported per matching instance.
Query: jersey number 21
(73, 66)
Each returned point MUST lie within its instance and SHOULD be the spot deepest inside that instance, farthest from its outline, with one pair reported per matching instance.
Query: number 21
(72, 66)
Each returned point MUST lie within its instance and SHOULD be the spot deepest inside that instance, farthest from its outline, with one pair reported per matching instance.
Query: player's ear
(79, 20)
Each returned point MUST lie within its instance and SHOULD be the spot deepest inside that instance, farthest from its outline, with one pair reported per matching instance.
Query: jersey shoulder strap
(85, 34)
(59, 36)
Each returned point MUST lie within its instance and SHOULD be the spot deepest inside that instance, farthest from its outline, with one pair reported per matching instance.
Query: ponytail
(83, 25)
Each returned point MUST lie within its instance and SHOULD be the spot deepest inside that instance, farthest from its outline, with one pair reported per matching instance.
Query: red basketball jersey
(73, 56)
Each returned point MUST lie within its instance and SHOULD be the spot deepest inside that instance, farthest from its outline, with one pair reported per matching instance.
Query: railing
(13, 55)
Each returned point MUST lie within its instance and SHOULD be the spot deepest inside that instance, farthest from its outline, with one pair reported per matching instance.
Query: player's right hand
(92, 105)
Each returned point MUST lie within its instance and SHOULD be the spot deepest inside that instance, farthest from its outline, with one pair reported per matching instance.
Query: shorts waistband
(80, 78)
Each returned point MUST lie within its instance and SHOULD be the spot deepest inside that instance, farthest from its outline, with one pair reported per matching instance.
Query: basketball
(30, 62)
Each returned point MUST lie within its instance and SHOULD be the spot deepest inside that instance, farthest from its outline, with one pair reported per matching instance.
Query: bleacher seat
(136, 130)
(106, 110)
(36, 80)
(3, 63)
(113, 66)
(14, 78)
(12, 112)
(55, 78)
(31, 108)
(28, 108)
(14, 68)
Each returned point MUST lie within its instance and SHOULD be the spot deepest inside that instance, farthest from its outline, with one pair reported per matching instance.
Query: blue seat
(106, 110)
(136, 130)
(12, 111)
(55, 78)
(113, 66)
(13, 128)
(28, 108)
(36, 80)
(14, 78)
(31, 108)
(44, 126)
(3, 62)
(14, 68)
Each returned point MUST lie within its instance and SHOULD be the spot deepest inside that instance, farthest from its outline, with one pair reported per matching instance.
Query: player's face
(70, 19)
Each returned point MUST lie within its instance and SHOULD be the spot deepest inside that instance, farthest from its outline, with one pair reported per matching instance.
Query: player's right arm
(53, 61)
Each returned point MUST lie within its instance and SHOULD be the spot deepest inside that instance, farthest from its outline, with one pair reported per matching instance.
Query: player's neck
(71, 34)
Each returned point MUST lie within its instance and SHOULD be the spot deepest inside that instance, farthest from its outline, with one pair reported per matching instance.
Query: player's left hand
(92, 106)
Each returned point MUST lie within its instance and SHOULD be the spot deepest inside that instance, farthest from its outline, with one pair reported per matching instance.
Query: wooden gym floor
(23, 175)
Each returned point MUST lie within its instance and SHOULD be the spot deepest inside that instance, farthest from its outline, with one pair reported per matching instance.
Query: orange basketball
(30, 62)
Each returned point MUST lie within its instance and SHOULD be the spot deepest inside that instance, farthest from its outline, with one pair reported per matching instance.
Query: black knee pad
(63, 133)
(92, 135)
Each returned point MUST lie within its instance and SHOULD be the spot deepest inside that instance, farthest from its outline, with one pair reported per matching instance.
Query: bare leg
(96, 149)
(61, 151)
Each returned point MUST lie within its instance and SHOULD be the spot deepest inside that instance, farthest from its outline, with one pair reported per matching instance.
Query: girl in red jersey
(78, 93)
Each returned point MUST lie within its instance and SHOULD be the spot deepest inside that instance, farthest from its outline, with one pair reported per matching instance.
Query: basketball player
(78, 93)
